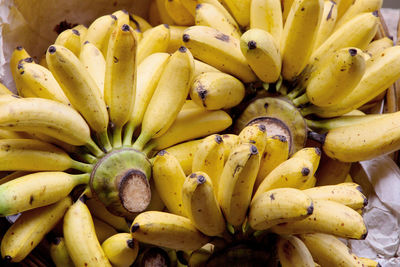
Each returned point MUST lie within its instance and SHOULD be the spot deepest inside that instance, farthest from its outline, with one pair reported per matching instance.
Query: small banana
(358, 7)
(103, 230)
(59, 253)
(240, 10)
(71, 40)
(184, 153)
(229, 141)
(201, 205)
(163, 16)
(313, 154)
(80, 236)
(293, 252)
(267, 15)
(121, 249)
(175, 38)
(255, 134)
(262, 54)
(18, 56)
(178, 13)
(378, 46)
(277, 206)
(328, 217)
(167, 230)
(327, 26)
(154, 40)
(237, 181)
(30, 228)
(82, 32)
(99, 32)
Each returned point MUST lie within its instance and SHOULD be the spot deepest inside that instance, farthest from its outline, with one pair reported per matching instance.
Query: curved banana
(299, 35)
(286, 7)
(99, 32)
(178, 13)
(378, 46)
(262, 54)
(167, 230)
(80, 236)
(71, 40)
(328, 22)
(236, 182)
(278, 206)
(293, 252)
(329, 251)
(140, 22)
(121, 249)
(59, 253)
(255, 134)
(358, 7)
(218, 50)
(175, 38)
(267, 15)
(313, 154)
(240, 10)
(19, 55)
(168, 178)
(163, 15)
(217, 90)
(229, 141)
(343, 6)
(30, 228)
(201, 205)
(328, 217)
(184, 153)
(168, 98)
(154, 40)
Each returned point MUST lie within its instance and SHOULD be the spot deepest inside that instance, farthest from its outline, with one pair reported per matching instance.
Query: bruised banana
(154, 40)
(358, 7)
(184, 153)
(71, 40)
(121, 249)
(293, 252)
(277, 206)
(167, 230)
(267, 15)
(59, 253)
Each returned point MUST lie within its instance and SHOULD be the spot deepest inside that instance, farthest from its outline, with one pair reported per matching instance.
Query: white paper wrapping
(31, 23)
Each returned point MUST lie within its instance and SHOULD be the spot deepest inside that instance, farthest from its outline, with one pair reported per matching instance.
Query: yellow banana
(184, 153)
(17, 55)
(328, 22)
(293, 252)
(278, 206)
(343, 6)
(262, 54)
(140, 22)
(349, 194)
(255, 134)
(179, 14)
(99, 32)
(164, 17)
(209, 158)
(154, 40)
(229, 141)
(299, 35)
(329, 251)
(368, 262)
(286, 7)
(201, 67)
(59, 253)
(167, 230)
(358, 7)
(12, 176)
(175, 38)
(169, 178)
(30, 228)
(218, 50)
(378, 46)
(310, 183)
(211, 16)
(267, 15)
(240, 10)
(236, 182)
(328, 217)
(122, 16)
(201, 205)
(121, 249)
(80, 236)
(103, 230)
(216, 90)
(168, 98)
(313, 154)
(82, 32)
(71, 40)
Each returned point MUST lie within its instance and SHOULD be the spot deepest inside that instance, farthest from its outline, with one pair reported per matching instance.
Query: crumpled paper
(31, 24)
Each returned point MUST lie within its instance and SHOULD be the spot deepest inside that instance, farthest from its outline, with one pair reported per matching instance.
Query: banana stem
(94, 149)
(128, 134)
(296, 92)
(307, 111)
(149, 148)
(278, 85)
(80, 166)
(89, 158)
(301, 100)
(105, 141)
(82, 179)
(142, 140)
(316, 125)
(117, 135)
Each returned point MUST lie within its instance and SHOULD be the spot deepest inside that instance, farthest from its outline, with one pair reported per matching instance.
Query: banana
(328, 217)
(313, 154)
(211, 16)
(349, 194)
(17, 55)
(218, 50)
(276, 151)
(229, 141)
(59, 253)
(169, 178)
(286, 7)
(378, 46)
(99, 32)
(267, 15)
(78, 86)
(39, 81)
(4, 90)
(201, 67)
(122, 16)
(8, 134)
(103, 230)
(240, 10)
(120, 249)
(120, 78)
(310, 183)
(82, 31)
(167, 230)
(148, 75)
(12, 176)
(236, 182)
(168, 98)
(71, 40)
(255, 134)
(299, 35)
(343, 6)
(216, 90)
(293, 252)
(278, 206)
(175, 38)
(163, 15)
(30, 228)
(201, 205)
(154, 40)
(262, 54)
(179, 14)
(325, 125)
(359, 6)
(80, 236)
(184, 153)
(328, 22)
(329, 251)
(140, 22)
(368, 262)
(209, 158)
(95, 63)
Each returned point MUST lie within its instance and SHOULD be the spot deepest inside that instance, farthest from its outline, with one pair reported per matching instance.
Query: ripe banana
(293, 252)
(154, 40)
(18, 54)
(59, 253)
(163, 15)
(286, 7)
(222, 9)
(71, 40)
(236, 182)
(329, 251)
(103, 230)
(313, 154)
(184, 153)
(168, 98)
(277, 206)
(140, 22)
(80, 236)
(255, 134)
(121, 250)
(267, 15)
(349, 194)
(240, 10)
(201, 67)
(311, 182)
(325, 125)
(179, 14)
(378, 46)
(343, 6)
(218, 50)
(358, 7)
(299, 35)
(30, 228)
(167, 230)
(229, 141)
(328, 217)
(201, 205)
(99, 32)
(169, 178)
(262, 54)
(217, 90)
(329, 18)
(175, 38)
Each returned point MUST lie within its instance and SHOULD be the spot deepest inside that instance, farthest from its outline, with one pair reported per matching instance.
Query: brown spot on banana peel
(31, 199)
(198, 6)
(218, 139)
(272, 197)
(114, 17)
(223, 37)
(330, 11)
(202, 93)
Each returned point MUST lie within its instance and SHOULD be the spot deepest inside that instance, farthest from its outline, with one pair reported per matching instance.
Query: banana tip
(7, 258)
(135, 227)
(353, 52)
(218, 139)
(125, 28)
(252, 45)
(185, 37)
(201, 179)
(76, 32)
(52, 49)
(130, 243)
